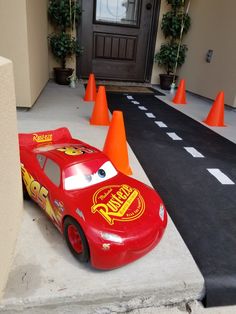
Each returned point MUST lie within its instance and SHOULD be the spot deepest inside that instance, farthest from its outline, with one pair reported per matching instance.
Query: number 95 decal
(38, 192)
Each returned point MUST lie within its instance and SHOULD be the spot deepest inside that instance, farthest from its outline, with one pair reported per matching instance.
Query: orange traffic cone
(90, 93)
(216, 114)
(115, 146)
(100, 115)
(180, 96)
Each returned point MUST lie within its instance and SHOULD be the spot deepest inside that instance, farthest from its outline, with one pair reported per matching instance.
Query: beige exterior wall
(159, 40)
(23, 33)
(37, 28)
(213, 27)
(10, 183)
(14, 45)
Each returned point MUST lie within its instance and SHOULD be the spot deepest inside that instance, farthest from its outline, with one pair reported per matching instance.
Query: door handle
(148, 6)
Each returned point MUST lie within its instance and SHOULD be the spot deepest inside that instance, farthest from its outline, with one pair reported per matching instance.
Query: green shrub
(63, 14)
(63, 46)
(172, 54)
(166, 57)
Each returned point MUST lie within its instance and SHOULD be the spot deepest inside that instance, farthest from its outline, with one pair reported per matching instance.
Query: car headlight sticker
(111, 237)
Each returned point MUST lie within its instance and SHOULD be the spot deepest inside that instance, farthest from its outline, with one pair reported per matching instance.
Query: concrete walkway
(198, 108)
(46, 278)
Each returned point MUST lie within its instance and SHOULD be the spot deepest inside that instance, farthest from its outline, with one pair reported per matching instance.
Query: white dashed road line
(150, 115)
(142, 108)
(220, 176)
(161, 124)
(135, 102)
(195, 153)
(174, 136)
(217, 173)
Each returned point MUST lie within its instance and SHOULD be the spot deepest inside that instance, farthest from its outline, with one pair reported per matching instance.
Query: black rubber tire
(25, 192)
(84, 256)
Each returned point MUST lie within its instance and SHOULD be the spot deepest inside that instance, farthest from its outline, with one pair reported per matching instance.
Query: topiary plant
(64, 15)
(172, 22)
(172, 54)
(166, 57)
(63, 46)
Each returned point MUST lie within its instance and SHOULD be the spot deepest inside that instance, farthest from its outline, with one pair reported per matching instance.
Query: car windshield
(88, 173)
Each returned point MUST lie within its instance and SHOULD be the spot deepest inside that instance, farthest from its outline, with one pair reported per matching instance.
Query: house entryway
(118, 38)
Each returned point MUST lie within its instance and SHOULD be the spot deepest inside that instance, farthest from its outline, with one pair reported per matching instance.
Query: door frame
(151, 42)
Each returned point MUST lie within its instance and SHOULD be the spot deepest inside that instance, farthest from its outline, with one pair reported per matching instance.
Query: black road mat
(202, 208)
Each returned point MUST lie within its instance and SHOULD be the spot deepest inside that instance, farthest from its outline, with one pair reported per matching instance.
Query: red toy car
(106, 217)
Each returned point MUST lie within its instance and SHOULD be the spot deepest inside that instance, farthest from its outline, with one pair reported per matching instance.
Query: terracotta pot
(61, 75)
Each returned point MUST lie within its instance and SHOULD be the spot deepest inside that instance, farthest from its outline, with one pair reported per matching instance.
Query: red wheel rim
(75, 239)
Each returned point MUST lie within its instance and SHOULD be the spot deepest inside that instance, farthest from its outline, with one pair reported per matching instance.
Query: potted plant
(64, 16)
(172, 54)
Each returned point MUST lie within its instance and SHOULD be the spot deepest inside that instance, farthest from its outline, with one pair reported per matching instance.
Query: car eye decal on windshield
(81, 179)
(106, 171)
(101, 173)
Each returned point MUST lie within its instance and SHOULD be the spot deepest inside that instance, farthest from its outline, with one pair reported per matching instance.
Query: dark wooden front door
(118, 37)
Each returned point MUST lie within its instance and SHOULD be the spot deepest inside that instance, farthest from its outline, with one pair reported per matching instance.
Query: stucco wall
(23, 34)
(213, 27)
(159, 40)
(37, 28)
(10, 183)
(14, 45)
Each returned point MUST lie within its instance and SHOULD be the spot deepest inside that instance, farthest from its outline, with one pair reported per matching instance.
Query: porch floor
(45, 276)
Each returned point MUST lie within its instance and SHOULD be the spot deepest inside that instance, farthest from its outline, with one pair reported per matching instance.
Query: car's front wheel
(76, 240)
(25, 192)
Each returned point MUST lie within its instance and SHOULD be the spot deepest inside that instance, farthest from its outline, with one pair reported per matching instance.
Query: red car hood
(121, 204)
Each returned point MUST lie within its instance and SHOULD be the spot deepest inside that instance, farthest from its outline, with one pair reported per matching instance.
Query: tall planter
(172, 53)
(166, 80)
(62, 76)
(64, 16)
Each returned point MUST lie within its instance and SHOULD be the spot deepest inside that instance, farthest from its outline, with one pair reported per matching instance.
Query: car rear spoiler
(44, 137)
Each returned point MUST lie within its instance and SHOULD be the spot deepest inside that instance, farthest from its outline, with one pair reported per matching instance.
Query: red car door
(50, 196)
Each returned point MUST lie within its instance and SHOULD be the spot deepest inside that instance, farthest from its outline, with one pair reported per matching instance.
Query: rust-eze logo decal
(118, 202)
(42, 138)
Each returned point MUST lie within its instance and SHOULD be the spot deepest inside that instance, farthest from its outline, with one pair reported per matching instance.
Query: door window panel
(53, 172)
(41, 160)
(117, 11)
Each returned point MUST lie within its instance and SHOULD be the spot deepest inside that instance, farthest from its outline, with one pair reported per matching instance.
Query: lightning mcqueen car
(106, 217)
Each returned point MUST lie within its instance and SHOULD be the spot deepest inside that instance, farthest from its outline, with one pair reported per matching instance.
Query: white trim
(142, 108)
(150, 115)
(174, 136)
(195, 153)
(220, 176)
(161, 124)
